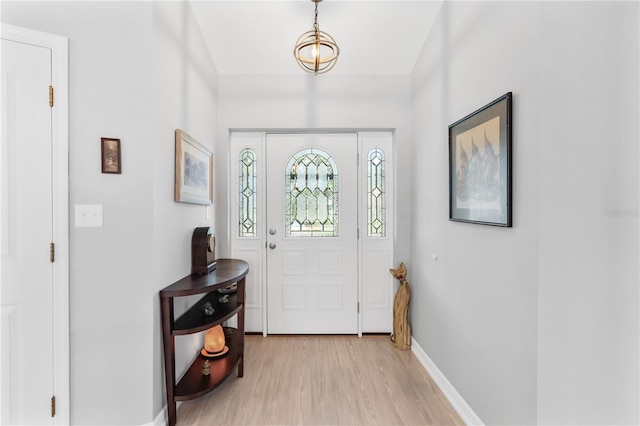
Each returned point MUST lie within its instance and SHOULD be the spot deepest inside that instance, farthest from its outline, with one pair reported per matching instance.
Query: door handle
(272, 246)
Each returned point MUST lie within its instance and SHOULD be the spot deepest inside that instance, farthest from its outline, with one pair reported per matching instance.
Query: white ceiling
(257, 37)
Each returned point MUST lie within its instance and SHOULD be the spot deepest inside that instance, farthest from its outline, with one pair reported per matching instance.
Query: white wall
(588, 255)
(109, 96)
(537, 323)
(305, 101)
(138, 71)
(185, 98)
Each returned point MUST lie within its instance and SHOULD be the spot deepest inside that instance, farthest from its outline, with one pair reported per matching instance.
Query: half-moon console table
(193, 383)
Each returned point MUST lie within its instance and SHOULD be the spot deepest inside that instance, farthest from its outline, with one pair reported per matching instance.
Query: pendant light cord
(315, 21)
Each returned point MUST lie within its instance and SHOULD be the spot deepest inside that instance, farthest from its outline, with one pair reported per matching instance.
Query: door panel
(26, 212)
(376, 232)
(312, 260)
(247, 182)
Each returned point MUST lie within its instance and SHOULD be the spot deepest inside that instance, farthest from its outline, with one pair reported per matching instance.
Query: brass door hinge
(52, 252)
(53, 406)
(50, 96)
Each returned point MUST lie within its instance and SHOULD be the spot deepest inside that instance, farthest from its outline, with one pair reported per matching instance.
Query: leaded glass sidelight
(311, 195)
(376, 224)
(247, 196)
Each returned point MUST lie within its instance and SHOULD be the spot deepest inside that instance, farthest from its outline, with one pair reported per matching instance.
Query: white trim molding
(455, 399)
(160, 420)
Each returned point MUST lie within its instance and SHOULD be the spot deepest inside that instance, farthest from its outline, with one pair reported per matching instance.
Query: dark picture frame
(480, 187)
(110, 155)
(194, 171)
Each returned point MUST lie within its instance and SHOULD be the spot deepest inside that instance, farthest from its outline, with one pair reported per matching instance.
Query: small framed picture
(194, 171)
(480, 165)
(111, 161)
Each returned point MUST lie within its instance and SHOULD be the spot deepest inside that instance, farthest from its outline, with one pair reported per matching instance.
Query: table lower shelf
(193, 384)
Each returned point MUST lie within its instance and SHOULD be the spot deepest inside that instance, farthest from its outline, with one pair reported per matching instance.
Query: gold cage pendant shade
(316, 51)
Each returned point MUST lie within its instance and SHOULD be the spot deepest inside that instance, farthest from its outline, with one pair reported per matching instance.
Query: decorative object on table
(194, 171)
(203, 251)
(316, 51)
(401, 336)
(110, 154)
(228, 289)
(206, 368)
(223, 299)
(208, 309)
(214, 343)
(480, 165)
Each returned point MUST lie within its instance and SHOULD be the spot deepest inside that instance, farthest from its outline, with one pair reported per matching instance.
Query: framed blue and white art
(480, 165)
(194, 171)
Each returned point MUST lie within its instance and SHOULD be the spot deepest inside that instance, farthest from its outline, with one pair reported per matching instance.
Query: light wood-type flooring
(321, 380)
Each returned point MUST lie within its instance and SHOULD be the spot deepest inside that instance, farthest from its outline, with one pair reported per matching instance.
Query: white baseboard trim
(160, 420)
(455, 399)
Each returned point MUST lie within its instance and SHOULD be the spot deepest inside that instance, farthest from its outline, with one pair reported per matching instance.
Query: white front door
(26, 231)
(311, 225)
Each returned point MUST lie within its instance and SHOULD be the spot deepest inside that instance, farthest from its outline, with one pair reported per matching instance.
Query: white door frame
(375, 255)
(60, 165)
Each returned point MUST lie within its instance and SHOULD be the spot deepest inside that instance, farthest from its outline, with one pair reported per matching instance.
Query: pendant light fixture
(316, 51)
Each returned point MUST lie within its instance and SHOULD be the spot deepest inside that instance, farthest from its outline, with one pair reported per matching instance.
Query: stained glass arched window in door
(311, 195)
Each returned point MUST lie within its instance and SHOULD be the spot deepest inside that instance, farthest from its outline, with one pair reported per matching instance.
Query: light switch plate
(88, 216)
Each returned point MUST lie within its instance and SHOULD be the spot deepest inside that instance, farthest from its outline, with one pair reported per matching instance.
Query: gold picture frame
(194, 171)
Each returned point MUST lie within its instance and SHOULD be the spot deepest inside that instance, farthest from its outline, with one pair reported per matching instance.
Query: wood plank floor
(291, 380)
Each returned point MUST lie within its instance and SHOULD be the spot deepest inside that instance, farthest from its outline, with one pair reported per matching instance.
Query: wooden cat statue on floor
(401, 336)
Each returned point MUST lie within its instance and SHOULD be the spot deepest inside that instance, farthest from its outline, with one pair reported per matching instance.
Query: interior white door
(26, 231)
(312, 234)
